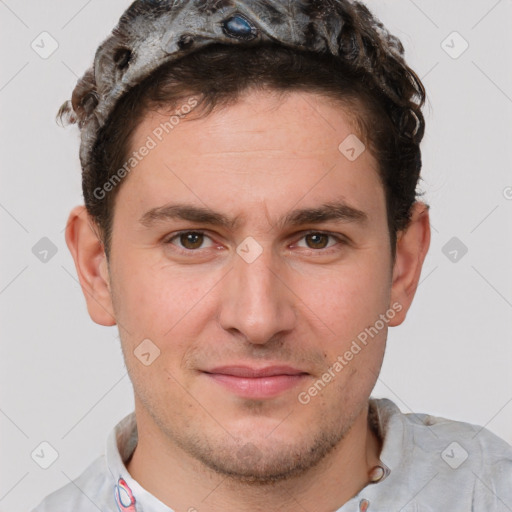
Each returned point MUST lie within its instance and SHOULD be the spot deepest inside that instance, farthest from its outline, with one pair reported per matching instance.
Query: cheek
(157, 302)
(346, 299)
(162, 307)
(355, 348)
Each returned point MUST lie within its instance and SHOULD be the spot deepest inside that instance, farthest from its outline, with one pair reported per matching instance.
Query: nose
(257, 302)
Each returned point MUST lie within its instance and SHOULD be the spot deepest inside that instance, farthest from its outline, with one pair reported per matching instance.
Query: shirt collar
(387, 419)
(129, 495)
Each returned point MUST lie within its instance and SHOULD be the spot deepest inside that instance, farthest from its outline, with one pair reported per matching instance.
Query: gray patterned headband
(153, 32)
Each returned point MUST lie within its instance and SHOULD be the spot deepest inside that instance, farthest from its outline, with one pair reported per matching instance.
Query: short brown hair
(381, 94)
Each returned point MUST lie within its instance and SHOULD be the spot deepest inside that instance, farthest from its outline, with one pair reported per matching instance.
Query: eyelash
(339, 239)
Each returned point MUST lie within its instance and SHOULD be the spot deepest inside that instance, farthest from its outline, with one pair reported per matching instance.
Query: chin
(263, 457)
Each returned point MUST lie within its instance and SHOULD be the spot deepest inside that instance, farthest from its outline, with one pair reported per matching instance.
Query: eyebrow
(337, 211)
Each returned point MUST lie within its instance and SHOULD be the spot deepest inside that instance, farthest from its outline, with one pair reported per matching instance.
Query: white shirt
(435, 465)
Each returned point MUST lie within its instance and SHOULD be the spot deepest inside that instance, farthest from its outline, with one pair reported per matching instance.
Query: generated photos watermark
(343, 360)
(137, 156)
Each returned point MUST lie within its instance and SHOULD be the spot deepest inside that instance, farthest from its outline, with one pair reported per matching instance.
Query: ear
(412, 246)
(91, 265)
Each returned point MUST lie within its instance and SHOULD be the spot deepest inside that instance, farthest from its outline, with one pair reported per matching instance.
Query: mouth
(252, 382)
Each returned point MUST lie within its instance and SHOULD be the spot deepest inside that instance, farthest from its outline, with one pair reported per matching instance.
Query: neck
(183, 483)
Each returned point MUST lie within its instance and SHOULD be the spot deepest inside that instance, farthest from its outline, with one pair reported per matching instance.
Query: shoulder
(465, 440)
(434, 431)
(93, 489)
(469, 459)
(470, 455)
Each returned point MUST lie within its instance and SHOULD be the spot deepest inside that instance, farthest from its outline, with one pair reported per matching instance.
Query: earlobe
(91, 265)
(412, 247)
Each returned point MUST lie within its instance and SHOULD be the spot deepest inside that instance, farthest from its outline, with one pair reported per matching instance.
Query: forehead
(280, 150)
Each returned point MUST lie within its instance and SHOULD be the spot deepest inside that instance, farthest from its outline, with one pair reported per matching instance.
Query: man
(251, 226)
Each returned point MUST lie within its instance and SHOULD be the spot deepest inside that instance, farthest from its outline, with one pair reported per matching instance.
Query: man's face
(263, 292)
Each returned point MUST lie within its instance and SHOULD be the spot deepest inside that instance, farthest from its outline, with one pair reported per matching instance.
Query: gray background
(63, 380)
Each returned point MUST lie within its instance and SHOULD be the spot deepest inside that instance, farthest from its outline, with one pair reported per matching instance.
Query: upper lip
(252, 372)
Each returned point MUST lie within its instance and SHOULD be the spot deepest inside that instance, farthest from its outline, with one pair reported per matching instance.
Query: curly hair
(382, 96)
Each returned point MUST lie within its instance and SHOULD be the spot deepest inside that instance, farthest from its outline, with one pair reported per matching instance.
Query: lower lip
(257, 387)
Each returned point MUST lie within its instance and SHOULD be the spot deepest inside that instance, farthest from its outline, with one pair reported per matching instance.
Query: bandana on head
(153, 32)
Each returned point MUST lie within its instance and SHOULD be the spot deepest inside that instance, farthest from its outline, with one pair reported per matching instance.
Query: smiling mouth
(250, 382)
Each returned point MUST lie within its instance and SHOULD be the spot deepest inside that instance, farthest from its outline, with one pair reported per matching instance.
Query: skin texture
(301, 303)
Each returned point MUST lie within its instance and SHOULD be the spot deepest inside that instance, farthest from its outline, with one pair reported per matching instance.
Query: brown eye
(191, 240)
(317, 240)
(321, 243)
(195, 244)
